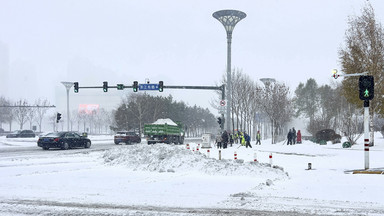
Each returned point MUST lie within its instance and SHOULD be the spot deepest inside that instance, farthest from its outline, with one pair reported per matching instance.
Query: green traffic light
(120, 86)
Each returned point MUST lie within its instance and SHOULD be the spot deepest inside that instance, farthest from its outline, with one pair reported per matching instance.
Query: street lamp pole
(267, 82)
(229, 18)
(68, 86)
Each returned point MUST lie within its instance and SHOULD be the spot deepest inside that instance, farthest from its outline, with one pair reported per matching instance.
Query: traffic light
(105, 86)
(135, 86)
(120, 86)
(219, 120)
(58, 117)
(161, 85)
(366, 87)
(76, 87)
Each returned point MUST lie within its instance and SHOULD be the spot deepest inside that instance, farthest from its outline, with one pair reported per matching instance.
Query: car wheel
(87, 144)
(45, 148)
(65, 146)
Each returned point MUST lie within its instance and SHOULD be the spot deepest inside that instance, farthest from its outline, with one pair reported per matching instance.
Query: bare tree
(41, 110)
(6, 114)
(21, 111)
(278, 107)
(31, 115)
(352, 123)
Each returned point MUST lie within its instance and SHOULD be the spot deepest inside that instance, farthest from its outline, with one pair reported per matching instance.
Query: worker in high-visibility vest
(258, 138)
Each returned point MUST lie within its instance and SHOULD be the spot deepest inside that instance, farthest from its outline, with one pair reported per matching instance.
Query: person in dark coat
(247, 140)
(231, 139)
(289, 137)
(294, 135)
(224, 139)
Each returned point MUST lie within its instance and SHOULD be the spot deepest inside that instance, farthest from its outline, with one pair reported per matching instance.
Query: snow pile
(171, 158)
(164, 121)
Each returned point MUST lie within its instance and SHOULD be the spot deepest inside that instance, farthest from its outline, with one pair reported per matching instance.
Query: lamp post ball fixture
(229, 18)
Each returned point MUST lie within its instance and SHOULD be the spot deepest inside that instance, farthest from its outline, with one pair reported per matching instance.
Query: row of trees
(328, 108)
(338, 108)
(139, 109)
(255, 106)
(22, 112)
(27, 115)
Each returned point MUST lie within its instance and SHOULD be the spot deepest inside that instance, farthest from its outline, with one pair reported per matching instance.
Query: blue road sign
(148, 87)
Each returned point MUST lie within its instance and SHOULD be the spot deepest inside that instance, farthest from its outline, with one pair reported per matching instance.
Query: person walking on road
(224, 138)
(218, 141)
(294, 136)
(258, 138)
(247, 140)
(289, 137)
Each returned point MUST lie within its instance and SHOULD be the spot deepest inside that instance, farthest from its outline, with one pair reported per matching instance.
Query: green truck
(164, 131)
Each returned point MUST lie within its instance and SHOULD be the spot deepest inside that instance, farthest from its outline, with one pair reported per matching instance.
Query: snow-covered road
(171, 180)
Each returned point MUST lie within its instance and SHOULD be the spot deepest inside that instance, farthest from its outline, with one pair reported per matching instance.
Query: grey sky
(179, 42)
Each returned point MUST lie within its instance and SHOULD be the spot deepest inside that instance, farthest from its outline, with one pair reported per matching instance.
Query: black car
(63, 140)
(21, 134)
(126, 137)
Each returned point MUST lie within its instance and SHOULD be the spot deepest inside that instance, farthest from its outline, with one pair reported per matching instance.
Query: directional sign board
(143, 87)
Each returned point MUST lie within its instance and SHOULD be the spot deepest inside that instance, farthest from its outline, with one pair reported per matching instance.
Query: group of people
(223, 139)
(293, 137)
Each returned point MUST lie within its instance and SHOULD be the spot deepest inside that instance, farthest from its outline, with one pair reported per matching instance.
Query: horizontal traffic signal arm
(221, 88)
(100, 87)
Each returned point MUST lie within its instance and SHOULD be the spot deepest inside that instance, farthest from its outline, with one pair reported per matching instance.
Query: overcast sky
(178, 42)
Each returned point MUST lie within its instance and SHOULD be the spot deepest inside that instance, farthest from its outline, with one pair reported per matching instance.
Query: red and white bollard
(198, 147)
(188, 146)
(255, 157)
(270, 159)
(193, 149)
(235, 155)
(207, 152)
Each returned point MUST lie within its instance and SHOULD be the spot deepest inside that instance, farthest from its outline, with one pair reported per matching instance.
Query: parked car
(126, 137)
(21, 133)
(63, 140)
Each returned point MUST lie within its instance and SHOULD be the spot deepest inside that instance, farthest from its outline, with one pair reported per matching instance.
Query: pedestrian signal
(366, 87)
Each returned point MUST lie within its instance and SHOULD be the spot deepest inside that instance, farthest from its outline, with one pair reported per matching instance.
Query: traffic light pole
(366, 134)
(366, 93)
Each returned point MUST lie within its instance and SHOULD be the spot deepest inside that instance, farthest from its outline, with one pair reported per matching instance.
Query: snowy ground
(171, 180)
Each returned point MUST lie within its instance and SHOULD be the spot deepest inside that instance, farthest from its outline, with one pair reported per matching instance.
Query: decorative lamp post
(68, 86)
(267, 82)
(229, 18)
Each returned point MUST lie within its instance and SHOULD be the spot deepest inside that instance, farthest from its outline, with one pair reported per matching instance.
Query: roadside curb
(368, 172)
